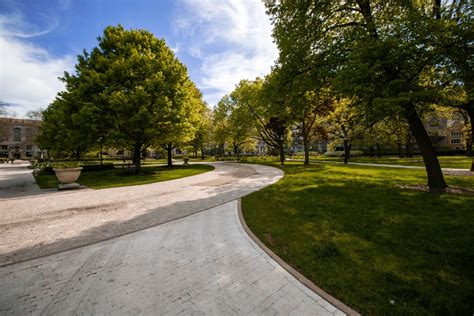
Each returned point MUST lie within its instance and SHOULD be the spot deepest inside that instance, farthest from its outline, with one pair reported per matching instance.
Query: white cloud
(232, 39)
(28, 73)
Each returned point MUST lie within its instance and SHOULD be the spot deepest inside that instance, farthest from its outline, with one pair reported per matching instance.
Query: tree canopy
(130, 91)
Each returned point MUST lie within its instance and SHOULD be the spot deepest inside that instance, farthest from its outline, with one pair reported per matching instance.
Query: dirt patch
(425, 188)
(269, 239)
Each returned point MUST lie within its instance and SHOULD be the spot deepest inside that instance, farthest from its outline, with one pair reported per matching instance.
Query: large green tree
(183, 119)
(66, 131)
(132, 92)
(380, 54)
(269, 110)
(454, 29)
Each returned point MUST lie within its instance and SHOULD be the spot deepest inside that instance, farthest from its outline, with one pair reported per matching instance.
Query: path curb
(302, 279)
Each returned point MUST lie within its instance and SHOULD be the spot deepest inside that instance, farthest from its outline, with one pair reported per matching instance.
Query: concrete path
(55, 221)
(201, 264)
(380, 165)
(198, 261)
(17, 180)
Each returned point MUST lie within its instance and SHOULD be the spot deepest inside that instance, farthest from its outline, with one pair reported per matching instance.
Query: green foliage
(390, 59)
(66, 165)
(340, 153)
(129, 92)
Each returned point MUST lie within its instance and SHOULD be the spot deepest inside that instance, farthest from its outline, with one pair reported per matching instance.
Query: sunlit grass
(116, 178)
(460, 162)
(353, 232)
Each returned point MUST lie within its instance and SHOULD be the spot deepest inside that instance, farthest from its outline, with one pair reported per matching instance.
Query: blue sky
(221, 42)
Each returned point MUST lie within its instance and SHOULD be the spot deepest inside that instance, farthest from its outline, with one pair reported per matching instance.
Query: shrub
(337, 153)
(105, 166)
(257, 158)
(357, 153)
(340, 153)
(64, 165)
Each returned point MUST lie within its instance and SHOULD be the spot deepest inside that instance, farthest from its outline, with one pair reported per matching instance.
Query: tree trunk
(101, 149)
(371, 151)
(202, 152)
(236, 149)
(399, 147)
(347, 151)
(137, 158)
(169, 149)
(433, 169)
(379, 151)
(282, 155)
(306, 147)
(409, 146)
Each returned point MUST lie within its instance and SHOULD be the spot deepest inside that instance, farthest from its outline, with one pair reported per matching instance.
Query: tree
(344, 124)
(269, 110)
(307, 110)
(35, 115)
(454, 29)
(133, 92)
(181, 123)
(221, 124)
(202, 135)
(64, 132)
(379, 53)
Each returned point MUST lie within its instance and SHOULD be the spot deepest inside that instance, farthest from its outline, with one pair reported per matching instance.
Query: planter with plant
(67, 174)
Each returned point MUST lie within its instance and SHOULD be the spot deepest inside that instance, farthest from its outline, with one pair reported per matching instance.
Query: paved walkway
(198, 261)
(382, 165)
(17, 180)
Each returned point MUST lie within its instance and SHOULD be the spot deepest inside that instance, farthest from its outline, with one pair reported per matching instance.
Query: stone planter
(68, 177)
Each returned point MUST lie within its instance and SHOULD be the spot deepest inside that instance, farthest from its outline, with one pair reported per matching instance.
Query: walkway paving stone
(201, 264)
(40, 225)
(17, 180)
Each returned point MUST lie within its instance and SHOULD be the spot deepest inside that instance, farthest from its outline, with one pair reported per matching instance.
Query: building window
(29, 148)
(17, 134)
(455, 141)
(4, 147)
(456, 134)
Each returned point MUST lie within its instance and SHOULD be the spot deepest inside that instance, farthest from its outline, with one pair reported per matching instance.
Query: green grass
(115, 178)
(207, 158)
(354, 233)
(460, 162)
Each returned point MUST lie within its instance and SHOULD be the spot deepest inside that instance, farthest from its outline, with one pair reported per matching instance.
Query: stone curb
(302, 279)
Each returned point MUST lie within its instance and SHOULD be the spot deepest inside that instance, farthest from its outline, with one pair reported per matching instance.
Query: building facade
(17, 139)
(446, 133)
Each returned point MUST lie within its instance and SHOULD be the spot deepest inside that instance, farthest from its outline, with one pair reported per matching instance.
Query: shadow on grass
(380, 249)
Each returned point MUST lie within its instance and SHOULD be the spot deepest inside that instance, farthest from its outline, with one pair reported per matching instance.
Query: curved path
(198, 261)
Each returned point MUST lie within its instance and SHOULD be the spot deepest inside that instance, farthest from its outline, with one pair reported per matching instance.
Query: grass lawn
(354, 233)
(460, 162)
(115, 178)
